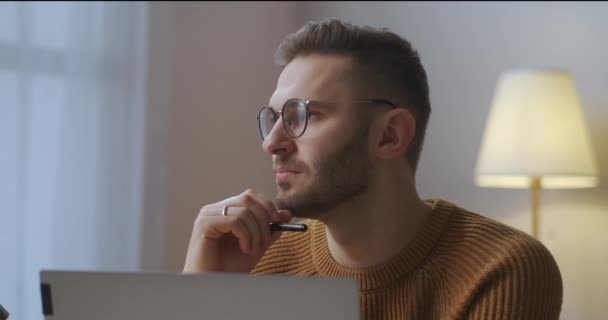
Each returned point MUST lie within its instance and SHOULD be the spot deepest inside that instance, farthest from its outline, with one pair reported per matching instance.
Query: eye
(314, 115)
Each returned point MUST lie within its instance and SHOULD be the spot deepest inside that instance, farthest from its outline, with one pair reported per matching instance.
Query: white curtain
(72, 115)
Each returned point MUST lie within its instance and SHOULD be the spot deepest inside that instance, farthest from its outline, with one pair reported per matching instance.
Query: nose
(278, 142)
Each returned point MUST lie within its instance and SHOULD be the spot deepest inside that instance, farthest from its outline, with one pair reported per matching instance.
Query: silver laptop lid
(79, 295)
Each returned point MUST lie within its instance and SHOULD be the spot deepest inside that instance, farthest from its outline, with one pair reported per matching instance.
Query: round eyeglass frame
(279, 114)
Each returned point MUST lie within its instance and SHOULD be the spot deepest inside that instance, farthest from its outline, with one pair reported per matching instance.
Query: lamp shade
(536, 129)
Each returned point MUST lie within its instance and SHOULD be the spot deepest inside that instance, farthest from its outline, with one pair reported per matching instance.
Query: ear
(397, 130)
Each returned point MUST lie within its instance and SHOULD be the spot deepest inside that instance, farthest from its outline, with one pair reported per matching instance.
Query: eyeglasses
(295, 114)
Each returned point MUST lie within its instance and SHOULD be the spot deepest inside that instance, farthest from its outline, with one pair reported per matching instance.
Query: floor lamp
(535, 137)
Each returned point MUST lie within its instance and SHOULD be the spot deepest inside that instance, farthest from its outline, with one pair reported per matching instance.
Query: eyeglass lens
(294, 118)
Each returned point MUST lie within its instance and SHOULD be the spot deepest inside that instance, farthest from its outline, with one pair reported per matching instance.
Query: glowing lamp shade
(536, 131)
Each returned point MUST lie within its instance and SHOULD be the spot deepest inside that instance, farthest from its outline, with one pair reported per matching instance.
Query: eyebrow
(323, 104)
(313, 103)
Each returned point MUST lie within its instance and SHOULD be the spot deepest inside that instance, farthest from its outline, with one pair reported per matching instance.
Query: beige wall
(211, 69)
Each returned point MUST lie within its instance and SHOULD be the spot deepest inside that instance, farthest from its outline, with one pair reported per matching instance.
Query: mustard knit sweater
(460, 265)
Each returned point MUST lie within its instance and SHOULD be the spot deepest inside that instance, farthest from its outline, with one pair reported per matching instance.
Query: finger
(215, 227)
(249, 220)
(283, 216)
(255, 202)
(263, 209)
(268, 205)
(215, 209)
(244, 209)
(237, 201)
(262, 200)
(244, 235)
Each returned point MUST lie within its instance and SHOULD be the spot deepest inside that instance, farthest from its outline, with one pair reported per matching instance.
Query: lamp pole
(535, 194)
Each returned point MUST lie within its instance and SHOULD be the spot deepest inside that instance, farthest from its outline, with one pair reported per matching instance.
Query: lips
(285, 170)
(284, 175)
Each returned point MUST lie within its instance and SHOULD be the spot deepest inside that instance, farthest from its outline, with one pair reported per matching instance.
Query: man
(345, 128)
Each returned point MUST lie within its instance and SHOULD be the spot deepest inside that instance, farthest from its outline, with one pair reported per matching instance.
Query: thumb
(284, 216)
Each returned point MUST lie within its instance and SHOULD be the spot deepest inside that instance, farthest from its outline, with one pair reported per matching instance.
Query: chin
(289, 189)
(285, 193)
(285, 196)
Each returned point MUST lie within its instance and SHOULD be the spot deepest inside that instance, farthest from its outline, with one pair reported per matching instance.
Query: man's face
(329, 163)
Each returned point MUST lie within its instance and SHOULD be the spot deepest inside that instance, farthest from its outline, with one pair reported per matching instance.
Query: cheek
(320, 142)
(310, 155)
(331, 130)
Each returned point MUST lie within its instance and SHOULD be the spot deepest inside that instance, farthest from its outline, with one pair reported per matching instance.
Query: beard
(340, 176)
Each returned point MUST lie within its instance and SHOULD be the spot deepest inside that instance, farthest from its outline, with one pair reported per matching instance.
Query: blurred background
(120, 120)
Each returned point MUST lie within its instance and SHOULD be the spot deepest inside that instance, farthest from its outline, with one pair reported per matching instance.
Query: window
(71, 120)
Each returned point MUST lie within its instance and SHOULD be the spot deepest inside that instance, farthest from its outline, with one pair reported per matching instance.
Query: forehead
(314, 77)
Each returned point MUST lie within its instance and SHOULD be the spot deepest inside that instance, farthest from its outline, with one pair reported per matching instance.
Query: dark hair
(384, 65)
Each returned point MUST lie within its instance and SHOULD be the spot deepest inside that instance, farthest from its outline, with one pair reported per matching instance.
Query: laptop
(88, 295)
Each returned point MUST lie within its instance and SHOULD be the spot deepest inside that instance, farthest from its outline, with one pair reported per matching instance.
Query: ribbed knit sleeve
(525, 285)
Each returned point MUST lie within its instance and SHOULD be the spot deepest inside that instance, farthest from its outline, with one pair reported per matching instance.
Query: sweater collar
(384, 275)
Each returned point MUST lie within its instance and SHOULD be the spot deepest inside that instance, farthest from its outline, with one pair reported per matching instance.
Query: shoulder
(496, 259)
(291, 254)
(491, 237)
(494, 242)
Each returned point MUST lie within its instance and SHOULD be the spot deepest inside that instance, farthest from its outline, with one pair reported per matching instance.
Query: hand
(237, 241)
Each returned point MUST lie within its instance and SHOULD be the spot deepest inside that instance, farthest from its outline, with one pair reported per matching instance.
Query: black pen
(288, 227)
(3, 313)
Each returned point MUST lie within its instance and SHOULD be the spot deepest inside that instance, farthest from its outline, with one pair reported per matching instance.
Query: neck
(376, 226)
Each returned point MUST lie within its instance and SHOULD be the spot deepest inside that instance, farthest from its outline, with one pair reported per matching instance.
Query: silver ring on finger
(225, 211)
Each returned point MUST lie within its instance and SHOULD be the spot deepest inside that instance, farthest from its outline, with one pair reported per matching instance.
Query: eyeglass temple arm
(384, 101)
